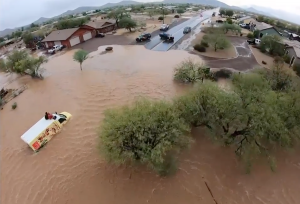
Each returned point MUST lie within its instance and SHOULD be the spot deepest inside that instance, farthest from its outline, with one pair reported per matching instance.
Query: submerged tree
(21, 63)
(250, 116)
(189, 72)
(146, 132)
(80, 56)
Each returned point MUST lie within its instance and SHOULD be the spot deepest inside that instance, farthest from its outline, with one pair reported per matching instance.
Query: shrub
(176, 16)
(250, 35)
(190, 72)
(200, 48)
(1, 101)
(222, 74)
(14, 105)
(204, 43)
(160, 18)
(241, 34)
(229, 20)
(287, 59)
(146, 132)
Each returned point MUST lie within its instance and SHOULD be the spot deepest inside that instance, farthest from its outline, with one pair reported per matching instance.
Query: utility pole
(163, 10)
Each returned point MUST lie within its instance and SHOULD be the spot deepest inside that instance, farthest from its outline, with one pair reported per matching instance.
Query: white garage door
(74, 41)
(87, 36)
(57, 43)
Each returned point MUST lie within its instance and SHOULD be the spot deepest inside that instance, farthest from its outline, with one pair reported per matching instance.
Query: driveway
(243, 62)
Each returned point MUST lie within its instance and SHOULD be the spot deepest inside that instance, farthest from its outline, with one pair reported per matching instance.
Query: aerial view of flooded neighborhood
(136, 102)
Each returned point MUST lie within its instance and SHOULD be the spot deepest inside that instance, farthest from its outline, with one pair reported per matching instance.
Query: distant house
(294, 36)
(246, 20)
(265, 29)
(102, 26)
(69, 37)
(293, 50)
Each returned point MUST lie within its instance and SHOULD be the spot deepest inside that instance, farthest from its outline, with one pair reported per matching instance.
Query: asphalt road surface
(157, 44)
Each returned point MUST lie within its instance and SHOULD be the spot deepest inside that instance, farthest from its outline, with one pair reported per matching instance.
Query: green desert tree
(217, 41)
(250, 116)
(190, 72)
(27, 37)
(273, 44)
(21, 63)
(80, 56)
(146, 132)
(180, 11)
(229, 13)
(118, 14)
(127, 23)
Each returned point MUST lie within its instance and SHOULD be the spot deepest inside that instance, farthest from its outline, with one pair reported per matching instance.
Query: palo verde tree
(27, 37)
(118, 14)
(127, 23)
(250, 117)
(146, 132)
(80, 56)
(190, 72)
(217, 40)
(180, 11)
(21, 63)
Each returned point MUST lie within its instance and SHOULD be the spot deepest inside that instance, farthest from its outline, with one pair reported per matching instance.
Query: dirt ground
(210, 52)
(259, 56)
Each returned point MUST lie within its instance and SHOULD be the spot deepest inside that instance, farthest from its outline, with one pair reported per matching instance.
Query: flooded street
(69, 170)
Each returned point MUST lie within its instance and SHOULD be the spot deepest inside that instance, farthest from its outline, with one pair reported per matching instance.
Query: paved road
(157, 45)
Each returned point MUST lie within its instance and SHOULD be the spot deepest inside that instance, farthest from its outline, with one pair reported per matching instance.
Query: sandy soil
(259, 56)
(210, 52)
(69, 170)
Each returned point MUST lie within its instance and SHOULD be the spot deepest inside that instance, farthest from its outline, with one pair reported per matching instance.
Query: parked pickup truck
(55, 48)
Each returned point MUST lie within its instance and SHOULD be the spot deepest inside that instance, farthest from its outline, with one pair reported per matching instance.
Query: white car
(55, 48)
(242, 25)
(164, 27)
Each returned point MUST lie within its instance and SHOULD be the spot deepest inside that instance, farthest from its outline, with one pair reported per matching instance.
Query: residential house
(69, 37)
(265, 29)
(293, 50)
(294, 36)
(102, 26)
(246, 20)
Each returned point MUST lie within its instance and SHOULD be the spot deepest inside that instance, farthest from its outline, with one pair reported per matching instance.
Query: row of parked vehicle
(166, 37)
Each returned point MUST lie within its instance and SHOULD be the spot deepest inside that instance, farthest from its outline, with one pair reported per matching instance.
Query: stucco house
(69, 37)
(293, 50)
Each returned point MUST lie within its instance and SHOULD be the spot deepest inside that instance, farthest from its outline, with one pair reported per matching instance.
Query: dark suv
(143, 37)
(187, 30)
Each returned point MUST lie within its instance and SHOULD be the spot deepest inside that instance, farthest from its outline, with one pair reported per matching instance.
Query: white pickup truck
(55, 48)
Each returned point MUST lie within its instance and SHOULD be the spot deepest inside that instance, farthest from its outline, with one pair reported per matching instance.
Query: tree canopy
(272, 44)
(127, 23)
(217, 41)
(71, 23)
(21, 63)
(118, 14)
(80, 56)
(146, 132)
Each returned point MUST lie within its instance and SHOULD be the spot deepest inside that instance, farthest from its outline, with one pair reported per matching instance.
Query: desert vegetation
(256, 116)
(22, 63)
(80, 56)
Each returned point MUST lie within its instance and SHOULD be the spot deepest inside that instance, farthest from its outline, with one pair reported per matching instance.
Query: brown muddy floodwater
(69, 169)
